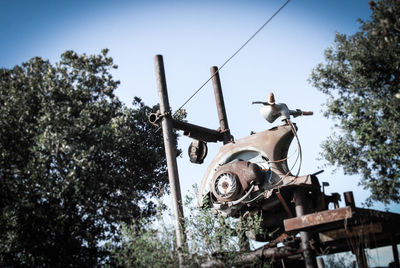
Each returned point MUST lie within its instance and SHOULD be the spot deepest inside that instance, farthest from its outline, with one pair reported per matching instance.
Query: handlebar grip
(260, 102)
(306, 113)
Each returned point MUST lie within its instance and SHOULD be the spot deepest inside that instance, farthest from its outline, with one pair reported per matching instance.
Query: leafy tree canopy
(361, 76)
(75, 162)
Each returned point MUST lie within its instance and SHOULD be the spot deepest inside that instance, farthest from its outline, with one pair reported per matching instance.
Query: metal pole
(170, 153)
(360, 256)
(395, 254)
(300, 203)
(320, 263)
(219, 99)
(349, 199)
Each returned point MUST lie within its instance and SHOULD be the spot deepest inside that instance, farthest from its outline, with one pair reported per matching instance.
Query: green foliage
(152, 245)
(145, 246)
(75, 162)
(361, 77)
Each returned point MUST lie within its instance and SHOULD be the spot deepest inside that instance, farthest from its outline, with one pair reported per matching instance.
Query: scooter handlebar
(306, 113)
(298, 112)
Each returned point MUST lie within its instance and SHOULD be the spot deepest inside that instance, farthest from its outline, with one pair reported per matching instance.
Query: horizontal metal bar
(353, 231)
(315, 219)
(198, 132)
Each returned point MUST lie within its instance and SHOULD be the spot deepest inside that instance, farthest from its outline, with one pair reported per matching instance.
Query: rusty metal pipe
(170, 154)
(197, 132)
(190, 130)
(349, 199)
(219, 99)
(301, 206)
(395, 254)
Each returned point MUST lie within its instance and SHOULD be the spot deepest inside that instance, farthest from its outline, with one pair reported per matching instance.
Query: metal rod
(360, 256)
(219, 99)
(170, 153)
(320, 263)
(395, 254)
(190, 130)
(285, 206)
(301, 205)
(349, 199)
(197, 132)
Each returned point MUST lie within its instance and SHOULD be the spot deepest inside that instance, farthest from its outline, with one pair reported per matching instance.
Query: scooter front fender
(267, 148)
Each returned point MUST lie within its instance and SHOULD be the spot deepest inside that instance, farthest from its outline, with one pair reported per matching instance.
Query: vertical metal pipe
(219, 99)
(301, 205)
(360, 256)
(349, 199)
(320, 263)
(395, 254)
(170, 153)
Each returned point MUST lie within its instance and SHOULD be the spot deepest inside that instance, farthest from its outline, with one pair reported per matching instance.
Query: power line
(234, 54)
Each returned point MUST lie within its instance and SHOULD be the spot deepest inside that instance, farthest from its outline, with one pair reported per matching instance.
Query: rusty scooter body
(251, 175)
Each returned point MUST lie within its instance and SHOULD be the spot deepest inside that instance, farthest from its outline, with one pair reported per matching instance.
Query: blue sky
(193, 36)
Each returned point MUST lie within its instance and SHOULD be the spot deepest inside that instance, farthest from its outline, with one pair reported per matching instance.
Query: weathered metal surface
(246, 172)
(349, 199)
(190, 130)
(301, 205)
(170, 154)
(318, 218)
(197, 132)
(376, 215)
(271, 145)
(219, 99)
(284, 204)
(353, 231)
(197, 151)
(263, 143)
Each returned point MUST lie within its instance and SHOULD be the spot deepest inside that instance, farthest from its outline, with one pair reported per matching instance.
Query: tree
(361, 76)
(75, 163)
(212, 241)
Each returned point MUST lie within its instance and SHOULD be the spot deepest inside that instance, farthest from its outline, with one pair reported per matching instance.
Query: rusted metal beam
(219, 99)
(198, 132)
(318, 218)
(379, 239)
(358, 230)
(190, 130)
(169, 144)
(376, 215)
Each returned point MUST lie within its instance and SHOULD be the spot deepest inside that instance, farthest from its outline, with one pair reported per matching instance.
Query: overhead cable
(234, 54)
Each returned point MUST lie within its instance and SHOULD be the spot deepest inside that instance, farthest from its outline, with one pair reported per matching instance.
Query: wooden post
(170, 153)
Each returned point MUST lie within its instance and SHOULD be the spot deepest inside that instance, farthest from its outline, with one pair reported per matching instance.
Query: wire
(298, 157)
(283, 159)
(233, 55)
(299, 146)
(234, 203)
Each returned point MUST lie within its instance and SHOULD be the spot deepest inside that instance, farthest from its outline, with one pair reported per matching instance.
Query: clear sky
(193, 36)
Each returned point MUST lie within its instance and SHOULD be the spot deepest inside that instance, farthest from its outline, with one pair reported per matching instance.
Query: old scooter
(251, 175)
